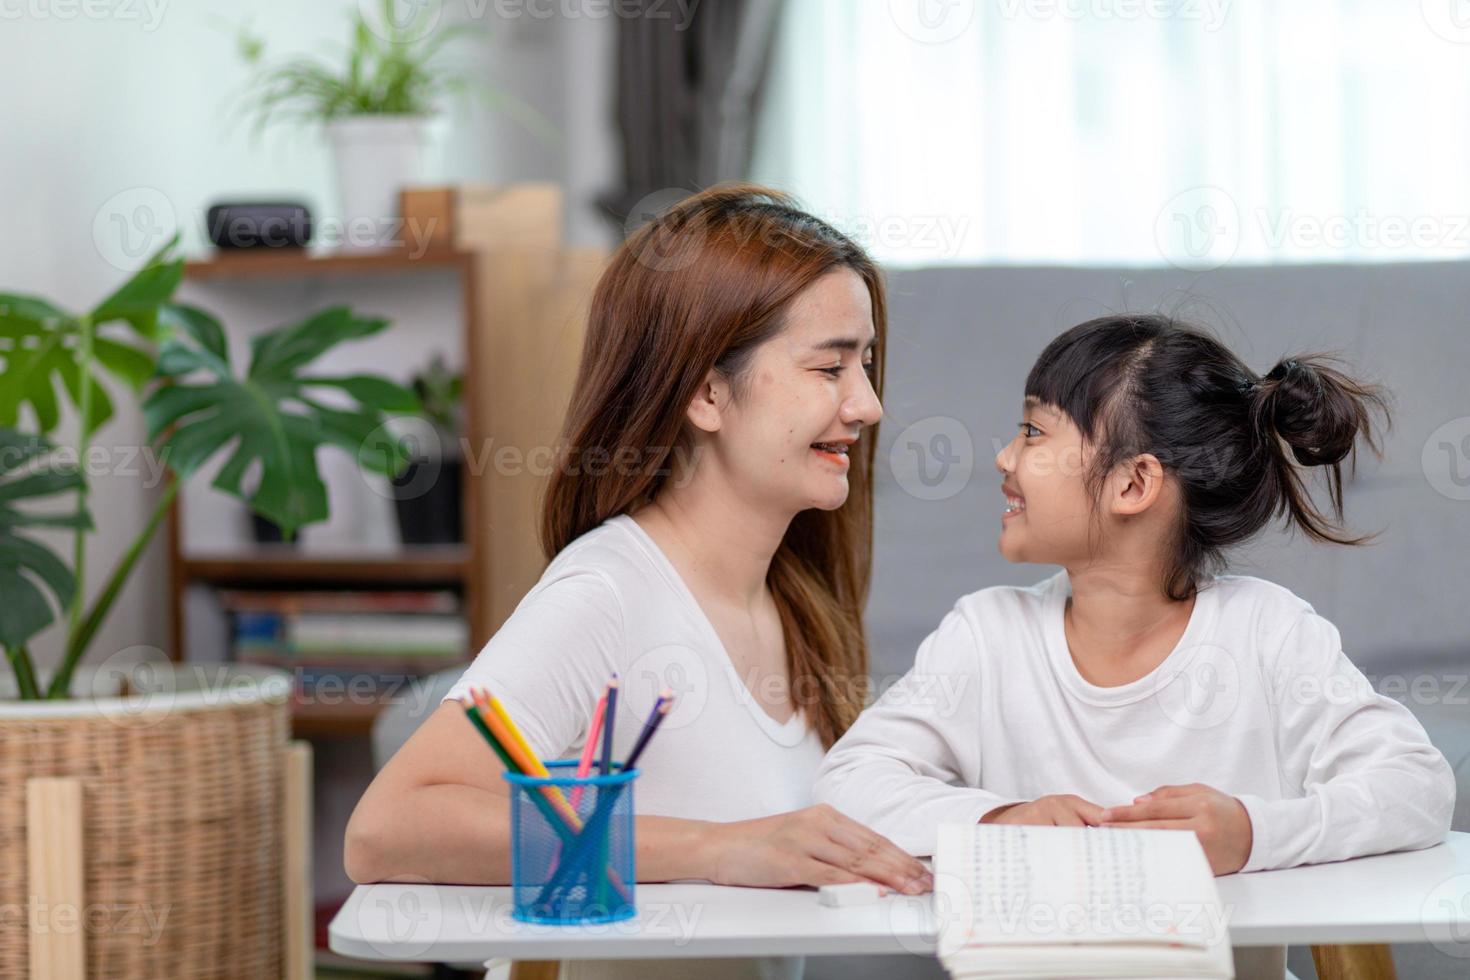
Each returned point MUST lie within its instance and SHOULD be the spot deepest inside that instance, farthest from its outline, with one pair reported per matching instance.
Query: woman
(710, 528)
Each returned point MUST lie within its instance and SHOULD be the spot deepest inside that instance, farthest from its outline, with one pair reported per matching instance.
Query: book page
(1004, 884)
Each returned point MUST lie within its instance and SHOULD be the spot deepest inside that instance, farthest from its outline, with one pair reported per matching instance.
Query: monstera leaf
(41, 343)
(28, 569)
(272, 416)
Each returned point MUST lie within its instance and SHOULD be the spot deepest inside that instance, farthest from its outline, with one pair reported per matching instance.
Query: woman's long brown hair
(699, 288)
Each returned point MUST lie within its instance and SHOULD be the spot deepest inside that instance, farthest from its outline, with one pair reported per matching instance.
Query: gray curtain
(688, 91)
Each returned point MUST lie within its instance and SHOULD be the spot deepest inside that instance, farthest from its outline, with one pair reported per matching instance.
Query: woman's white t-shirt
(611, 602)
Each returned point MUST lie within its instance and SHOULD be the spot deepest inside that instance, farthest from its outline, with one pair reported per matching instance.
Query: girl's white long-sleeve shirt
(1257, 700)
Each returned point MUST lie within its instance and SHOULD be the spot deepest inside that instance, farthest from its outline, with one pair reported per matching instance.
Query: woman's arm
(439, 811)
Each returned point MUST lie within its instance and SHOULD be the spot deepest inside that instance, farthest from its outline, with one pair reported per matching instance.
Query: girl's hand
(1049, 811)
(1219, 820)
(815, 846)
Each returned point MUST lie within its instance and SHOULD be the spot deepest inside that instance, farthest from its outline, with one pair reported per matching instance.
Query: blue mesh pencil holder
(571, 845)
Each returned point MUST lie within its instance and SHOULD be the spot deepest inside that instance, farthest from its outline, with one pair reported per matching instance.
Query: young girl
(1137, 688)
(710, 530)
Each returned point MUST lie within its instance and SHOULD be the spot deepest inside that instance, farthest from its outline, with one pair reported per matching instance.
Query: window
(1138, 132)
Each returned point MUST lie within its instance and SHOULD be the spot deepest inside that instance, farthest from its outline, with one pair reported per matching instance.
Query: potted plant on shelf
(427, 494)
(181, 767)
(375, 107)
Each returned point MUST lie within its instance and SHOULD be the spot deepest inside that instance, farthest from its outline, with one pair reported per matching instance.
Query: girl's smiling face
(1047, 516)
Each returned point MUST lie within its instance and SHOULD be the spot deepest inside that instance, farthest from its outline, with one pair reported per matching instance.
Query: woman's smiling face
(801, 402)
(1047, 515)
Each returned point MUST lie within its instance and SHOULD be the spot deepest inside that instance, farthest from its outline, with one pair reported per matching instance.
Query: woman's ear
(707, 408)
(1138, 484)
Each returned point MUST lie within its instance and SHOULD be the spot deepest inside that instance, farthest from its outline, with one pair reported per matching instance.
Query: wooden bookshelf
(264, 565)
(522, 301)
(287, 565)
(295, 262)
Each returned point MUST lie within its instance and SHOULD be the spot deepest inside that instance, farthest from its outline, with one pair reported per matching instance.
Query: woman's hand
(1219, 821)
(815, 846)
(1049, 811)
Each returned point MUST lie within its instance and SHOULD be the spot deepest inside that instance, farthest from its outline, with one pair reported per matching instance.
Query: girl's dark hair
(1138, 384)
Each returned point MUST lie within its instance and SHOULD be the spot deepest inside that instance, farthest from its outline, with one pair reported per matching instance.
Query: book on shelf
(293, 627)
(1022, 901)
(287, 601)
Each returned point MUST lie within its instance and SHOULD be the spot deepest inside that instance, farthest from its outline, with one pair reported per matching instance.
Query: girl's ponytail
(1318, 413)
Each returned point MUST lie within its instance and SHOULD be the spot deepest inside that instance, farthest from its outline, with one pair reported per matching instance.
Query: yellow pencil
(515, 733)
(523, 756)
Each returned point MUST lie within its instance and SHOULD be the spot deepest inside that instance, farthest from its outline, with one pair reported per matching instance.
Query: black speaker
(267, 224)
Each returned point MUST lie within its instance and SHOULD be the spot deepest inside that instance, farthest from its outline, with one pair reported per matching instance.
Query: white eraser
(853, 893)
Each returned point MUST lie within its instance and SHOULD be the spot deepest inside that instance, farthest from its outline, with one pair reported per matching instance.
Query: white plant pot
(374, 157)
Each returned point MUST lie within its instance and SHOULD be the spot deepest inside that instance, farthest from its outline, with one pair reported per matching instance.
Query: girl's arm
(1361, 773)
(911, 760)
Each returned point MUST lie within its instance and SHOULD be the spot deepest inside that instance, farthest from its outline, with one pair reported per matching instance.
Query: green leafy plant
(269, 422)
(392, 66)
(439, 392)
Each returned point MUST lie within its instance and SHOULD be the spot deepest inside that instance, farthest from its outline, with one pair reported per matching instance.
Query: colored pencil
(610, 716)
(594, 836)
(557, 821)
(527, 762)
(655, 717)
(584, 764)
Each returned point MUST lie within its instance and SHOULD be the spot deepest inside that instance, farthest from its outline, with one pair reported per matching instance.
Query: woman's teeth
(830, 447)
(1014, 505)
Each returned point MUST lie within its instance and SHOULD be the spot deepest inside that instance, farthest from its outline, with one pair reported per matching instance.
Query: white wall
(127, 111)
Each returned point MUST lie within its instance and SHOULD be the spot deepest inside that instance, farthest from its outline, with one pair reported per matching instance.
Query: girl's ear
(1137, 485)
(707, 408)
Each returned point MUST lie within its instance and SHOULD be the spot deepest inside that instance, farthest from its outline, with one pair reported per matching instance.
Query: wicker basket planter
(181, 827)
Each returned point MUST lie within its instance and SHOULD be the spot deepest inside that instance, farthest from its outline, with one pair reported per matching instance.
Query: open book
(1017, 901)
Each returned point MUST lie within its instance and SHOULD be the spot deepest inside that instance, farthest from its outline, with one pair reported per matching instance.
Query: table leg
(1353, 963)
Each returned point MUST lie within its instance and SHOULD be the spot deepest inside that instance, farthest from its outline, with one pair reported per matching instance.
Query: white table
(1412, 897)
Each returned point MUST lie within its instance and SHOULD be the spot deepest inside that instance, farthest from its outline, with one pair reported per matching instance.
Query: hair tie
(1246, 386)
